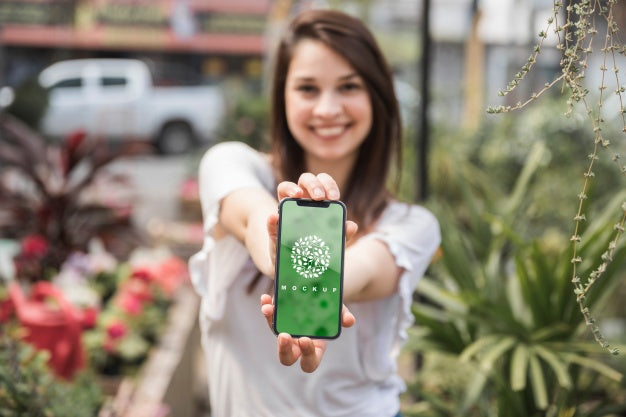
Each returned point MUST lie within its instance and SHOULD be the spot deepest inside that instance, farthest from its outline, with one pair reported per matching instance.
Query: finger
(288, 349)
(330, 186)
(272, 226)
(272, 231)
(288, 189)
(351, 229)
(312, 353)
(312, 186)
(267, 309)
(347, 318)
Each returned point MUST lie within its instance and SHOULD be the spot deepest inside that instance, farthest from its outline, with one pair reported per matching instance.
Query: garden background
(514, 131)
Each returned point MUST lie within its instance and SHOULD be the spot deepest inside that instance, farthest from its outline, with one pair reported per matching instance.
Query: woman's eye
(308, 89)
(350, 87)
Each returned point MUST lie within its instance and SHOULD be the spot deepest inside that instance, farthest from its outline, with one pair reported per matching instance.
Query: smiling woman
(335, 130)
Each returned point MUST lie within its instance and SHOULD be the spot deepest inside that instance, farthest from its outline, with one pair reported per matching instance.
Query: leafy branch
(575, 41)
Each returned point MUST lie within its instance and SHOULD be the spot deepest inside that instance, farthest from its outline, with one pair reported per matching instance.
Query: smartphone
(308, 286)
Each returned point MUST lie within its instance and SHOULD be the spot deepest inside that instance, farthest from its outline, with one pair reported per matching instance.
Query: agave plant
(46, 188)
(499, 307)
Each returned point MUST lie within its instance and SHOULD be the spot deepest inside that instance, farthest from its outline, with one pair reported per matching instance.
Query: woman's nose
(328, 105)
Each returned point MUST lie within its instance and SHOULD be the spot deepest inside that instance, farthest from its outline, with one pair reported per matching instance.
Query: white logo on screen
(310, 256)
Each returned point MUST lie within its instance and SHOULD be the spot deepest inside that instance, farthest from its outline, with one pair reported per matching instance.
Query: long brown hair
(366, 195)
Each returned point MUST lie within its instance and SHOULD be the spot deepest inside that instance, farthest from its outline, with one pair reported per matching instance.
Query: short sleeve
(227, 167)
(413, 236)
(224, 168)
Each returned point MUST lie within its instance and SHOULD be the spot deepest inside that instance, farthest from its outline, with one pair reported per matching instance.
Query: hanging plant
(575, 25)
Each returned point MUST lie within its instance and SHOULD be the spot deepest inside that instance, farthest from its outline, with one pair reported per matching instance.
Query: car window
(68, 83)
(113, 81)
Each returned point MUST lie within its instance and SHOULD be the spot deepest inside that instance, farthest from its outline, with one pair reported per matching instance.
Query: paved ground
(157, 182)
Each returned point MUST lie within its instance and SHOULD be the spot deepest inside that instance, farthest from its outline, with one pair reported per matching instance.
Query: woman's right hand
(308, 350)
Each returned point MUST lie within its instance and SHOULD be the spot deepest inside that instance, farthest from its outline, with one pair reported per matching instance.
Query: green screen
(309, 269)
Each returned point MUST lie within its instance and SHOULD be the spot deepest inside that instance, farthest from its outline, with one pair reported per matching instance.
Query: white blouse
(357, 376)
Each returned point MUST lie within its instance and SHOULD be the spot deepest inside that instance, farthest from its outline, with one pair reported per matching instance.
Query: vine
(575, 37)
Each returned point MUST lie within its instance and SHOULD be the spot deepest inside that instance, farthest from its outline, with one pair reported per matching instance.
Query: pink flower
(130, 303)
(171, 273)
(34, 246)
(116, 330)
(140, 289)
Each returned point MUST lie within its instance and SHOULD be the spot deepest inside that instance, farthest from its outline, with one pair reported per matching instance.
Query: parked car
(118, 100)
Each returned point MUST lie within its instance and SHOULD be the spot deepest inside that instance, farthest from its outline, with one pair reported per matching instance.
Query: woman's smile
(330, 132)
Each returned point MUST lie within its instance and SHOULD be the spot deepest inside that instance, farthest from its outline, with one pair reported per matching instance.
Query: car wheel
(175, 138)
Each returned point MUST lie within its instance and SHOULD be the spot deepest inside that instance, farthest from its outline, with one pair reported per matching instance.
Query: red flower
(116, 330)
(89, 317)
(143, 274)
(34, 246)
(6, 310)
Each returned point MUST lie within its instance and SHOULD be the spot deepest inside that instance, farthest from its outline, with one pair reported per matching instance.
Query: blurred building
(477, 45)
(213, 37)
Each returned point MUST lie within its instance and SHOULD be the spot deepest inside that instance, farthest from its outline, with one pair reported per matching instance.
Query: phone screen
(309, 268)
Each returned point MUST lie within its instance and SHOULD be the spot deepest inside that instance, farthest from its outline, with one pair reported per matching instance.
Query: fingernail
(318, 192)
(333, 194)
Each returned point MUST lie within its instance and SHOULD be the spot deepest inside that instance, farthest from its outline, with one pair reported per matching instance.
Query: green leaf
(538, 383)
(596, 366)
(476, 347)
(495, 352)
(537, 153)
(519, 367)
(133, 347)
(473, 390)
(442, 297)
(557, 365)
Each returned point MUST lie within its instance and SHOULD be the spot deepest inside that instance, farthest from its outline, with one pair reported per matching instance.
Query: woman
(336, 132)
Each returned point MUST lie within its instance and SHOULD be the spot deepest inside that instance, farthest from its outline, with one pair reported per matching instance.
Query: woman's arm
(370, 271)
(244, 213)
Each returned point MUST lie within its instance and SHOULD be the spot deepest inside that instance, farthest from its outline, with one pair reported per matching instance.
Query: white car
(116, 99)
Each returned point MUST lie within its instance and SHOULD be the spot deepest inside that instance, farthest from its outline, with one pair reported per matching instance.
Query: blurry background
(460, 57)
(502, 185)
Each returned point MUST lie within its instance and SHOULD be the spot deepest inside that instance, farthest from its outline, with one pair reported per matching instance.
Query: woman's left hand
(290, 349)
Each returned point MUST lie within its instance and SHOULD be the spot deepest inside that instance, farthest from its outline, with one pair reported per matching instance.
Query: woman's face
(328, 107)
